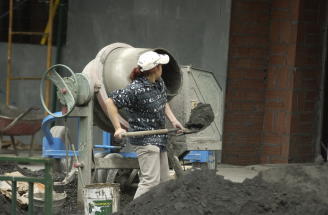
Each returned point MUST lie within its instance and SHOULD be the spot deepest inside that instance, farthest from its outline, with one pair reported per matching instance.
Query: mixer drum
(118, 65)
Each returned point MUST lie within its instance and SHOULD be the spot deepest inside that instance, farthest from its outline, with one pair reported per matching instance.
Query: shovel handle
(150, 132)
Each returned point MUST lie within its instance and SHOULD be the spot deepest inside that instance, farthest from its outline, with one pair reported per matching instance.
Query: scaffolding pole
(47, 34)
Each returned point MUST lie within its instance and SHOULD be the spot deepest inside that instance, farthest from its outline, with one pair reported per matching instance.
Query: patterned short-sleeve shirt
(145, 104)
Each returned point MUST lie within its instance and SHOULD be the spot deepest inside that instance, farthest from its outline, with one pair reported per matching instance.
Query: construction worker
(145, 100)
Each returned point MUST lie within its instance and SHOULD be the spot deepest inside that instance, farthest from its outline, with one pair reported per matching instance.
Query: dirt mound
(204, 192)
(308, 178)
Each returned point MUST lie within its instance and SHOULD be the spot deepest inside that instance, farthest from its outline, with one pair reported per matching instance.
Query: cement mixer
(107, 72)
(83, 94)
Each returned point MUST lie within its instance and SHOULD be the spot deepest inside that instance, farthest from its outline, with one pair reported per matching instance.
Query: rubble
(22, 189)
(69, 207)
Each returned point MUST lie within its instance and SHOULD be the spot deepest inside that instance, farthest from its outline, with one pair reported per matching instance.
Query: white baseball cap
(150, 59)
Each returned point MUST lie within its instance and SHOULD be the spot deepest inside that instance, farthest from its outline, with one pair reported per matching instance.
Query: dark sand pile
(306, 177)
(204, 192)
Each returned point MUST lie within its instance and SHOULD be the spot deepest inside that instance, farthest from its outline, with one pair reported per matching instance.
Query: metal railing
(47, 180)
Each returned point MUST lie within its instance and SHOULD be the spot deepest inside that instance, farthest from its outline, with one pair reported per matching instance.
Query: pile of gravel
(204, 192)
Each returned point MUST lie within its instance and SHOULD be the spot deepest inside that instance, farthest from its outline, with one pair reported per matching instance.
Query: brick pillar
(273, 80)
(308, 61)
(293, 81)
(248, 50)
(279, 89)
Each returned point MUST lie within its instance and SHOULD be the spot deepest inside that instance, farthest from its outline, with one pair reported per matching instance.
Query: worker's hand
(118, 132)
(177, 124)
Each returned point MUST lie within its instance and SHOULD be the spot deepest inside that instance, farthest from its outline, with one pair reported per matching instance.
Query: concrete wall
(195, 32)
(28, 61)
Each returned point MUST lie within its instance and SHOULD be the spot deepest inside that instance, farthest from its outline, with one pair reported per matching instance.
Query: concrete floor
(230, 172)
(233, 173)
(239, 173)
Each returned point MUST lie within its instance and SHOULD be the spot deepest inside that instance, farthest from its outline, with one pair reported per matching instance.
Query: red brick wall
(273, 79)
(248, 57)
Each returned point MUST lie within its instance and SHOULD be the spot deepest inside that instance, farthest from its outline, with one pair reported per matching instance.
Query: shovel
(200, 118)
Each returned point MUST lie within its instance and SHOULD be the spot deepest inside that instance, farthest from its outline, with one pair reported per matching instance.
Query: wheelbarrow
(17, 122)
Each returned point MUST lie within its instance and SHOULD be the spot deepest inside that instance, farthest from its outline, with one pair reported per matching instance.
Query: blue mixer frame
(54, 147)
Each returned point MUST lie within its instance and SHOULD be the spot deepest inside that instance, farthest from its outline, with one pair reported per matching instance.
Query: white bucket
(101, 198)
(58, 200)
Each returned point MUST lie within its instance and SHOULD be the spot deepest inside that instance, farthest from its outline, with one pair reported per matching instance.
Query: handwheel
(64, 91)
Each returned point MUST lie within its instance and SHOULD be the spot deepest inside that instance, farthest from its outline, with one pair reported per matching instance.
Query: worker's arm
(172, 118)
(114, 117)
(102, 102)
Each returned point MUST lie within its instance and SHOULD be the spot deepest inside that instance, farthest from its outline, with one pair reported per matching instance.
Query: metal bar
(27, 33)
(25, 78)
(79, 168)
(212, 163)
(14, 144)
(25, 179)
(30, 198)
(13, 197)
(24, 159)
(9, 52)
(59, 30)
(49, 52)
(54, 8)
(48, 189)
(30, 153)
(85, 149)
